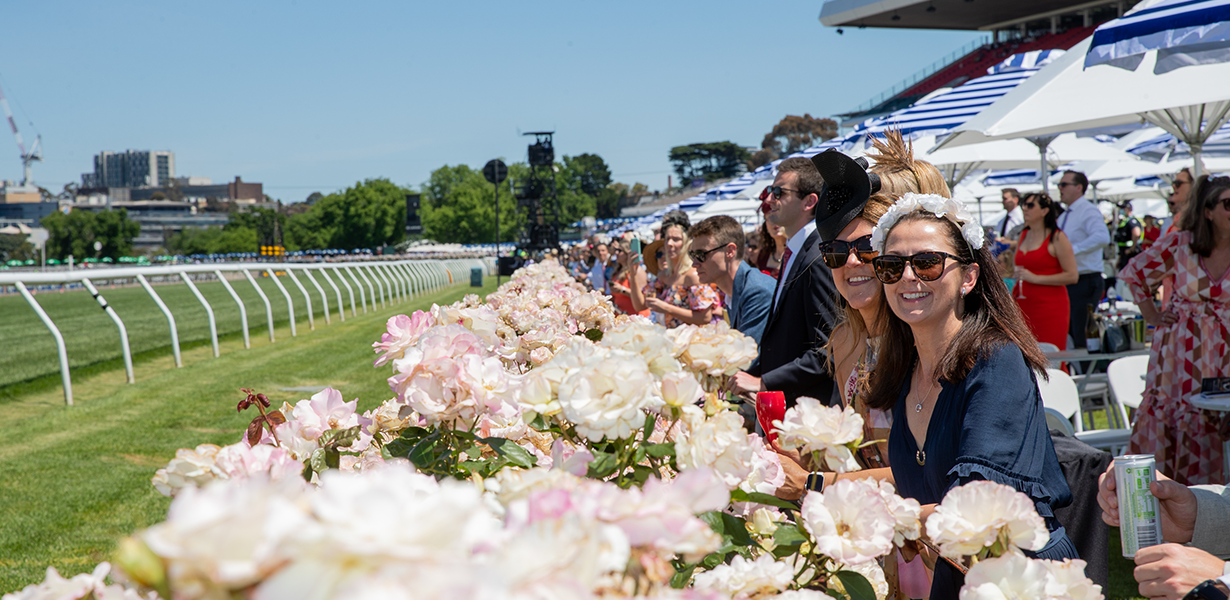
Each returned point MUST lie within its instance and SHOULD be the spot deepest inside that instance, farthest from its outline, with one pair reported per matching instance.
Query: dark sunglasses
(700, 256)
(775, 191)
(1064, 184)
(837, 252)
(928, 266)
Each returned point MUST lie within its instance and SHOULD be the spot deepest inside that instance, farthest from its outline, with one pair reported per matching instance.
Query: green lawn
(75, 479)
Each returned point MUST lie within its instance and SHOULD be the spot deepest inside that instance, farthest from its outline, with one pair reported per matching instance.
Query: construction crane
(27, 158)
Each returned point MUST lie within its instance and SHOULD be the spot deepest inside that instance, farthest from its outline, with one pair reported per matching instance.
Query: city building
(131, 169)
(23, 204)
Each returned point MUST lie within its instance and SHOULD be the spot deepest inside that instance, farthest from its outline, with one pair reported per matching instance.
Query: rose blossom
(189, 468)
(719, 442)
(85, 585)
(976, 515)
(1012, 575)
(850, 521)
(829, 430)
(744, 578)
(906, 511)
(607, 398)
(680, 389)
(403, 332)
(650, 340)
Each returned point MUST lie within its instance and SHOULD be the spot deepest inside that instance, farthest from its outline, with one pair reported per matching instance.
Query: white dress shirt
(1086, 229)
(795, 245)
(1015, 218)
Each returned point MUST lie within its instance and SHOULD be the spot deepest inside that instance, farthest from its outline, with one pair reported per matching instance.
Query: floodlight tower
(538, 196)
(27, 158)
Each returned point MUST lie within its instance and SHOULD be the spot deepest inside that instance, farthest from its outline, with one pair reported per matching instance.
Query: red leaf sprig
(266, 419)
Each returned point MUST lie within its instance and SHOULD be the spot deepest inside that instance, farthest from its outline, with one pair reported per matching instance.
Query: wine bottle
(1093, 335)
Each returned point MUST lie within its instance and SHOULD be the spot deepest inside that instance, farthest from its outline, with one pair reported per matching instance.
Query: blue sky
(309, 95)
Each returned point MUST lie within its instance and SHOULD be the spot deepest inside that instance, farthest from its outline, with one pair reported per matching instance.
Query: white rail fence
(378, 283)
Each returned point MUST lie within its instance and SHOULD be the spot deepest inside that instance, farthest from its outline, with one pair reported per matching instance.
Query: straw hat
(650, 255)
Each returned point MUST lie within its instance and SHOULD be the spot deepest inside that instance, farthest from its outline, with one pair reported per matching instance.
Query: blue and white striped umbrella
(1167, 147)
(1183, 32)
(940, 112)
(1010, 177)
(1034, 59)
(732, 187)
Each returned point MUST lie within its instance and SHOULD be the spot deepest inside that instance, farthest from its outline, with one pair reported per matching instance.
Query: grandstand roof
(985, 15)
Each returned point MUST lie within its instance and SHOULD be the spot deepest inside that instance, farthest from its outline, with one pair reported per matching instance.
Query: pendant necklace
(921, 456)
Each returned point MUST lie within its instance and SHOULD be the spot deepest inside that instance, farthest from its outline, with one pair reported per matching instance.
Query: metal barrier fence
(385, 281)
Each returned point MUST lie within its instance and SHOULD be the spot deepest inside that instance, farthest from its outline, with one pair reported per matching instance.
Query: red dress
(1045, 306)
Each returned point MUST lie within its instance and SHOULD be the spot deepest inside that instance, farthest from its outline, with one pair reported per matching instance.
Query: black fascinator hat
(847, 186)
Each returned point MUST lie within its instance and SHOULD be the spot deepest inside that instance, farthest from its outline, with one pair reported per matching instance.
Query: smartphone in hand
(635, 248)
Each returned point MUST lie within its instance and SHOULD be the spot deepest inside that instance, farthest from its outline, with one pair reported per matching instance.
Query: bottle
(1093, 336)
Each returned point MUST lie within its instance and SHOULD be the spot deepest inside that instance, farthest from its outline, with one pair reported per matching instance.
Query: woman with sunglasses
(1045, 266)
(1192, 340)
(677, 293)
(957, 365)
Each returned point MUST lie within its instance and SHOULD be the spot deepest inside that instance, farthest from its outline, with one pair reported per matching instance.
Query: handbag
(1115, 340)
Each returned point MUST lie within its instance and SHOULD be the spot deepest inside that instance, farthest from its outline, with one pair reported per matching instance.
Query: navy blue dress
(990, 426)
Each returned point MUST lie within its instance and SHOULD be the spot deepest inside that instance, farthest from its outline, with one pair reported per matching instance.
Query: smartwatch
(1210, 589)
(815, 482)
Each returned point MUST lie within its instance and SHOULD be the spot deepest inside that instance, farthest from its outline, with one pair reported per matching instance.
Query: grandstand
(1014, 26)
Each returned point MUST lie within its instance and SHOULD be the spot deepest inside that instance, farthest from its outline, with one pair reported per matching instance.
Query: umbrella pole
(1042, 142)
(1197, 165)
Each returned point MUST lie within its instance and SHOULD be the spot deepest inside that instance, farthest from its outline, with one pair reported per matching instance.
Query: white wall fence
(357, 284)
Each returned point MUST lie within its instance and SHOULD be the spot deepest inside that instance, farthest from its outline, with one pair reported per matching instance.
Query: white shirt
(1012, 220)
(1085, 228)
(794, 245)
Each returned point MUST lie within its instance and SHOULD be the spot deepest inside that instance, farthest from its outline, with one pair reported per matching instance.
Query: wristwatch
(1210, 589)
(815, 482)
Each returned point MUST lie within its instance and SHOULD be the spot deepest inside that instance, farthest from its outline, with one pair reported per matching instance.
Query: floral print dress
(695, 297)
(1182, 437)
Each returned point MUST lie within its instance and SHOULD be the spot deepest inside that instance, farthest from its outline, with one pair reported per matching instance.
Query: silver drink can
(1140, 523)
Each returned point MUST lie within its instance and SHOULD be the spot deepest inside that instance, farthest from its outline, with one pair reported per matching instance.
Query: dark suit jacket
(792, 358)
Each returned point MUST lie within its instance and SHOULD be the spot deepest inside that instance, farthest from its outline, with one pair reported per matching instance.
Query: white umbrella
(1189, 103)
(959, 162)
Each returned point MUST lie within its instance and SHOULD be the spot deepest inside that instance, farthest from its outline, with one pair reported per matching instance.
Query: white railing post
(405, 274)
(290, 304)
(367, 271)
(307, 299)
(349, 290)
(65, 378)
(370, 286)
(209, 311)
(323, 298)
(362, 292)
(265, 299)
(243, 310)
(170, 318)
(400, 272)
(124, 348)
(379, 270)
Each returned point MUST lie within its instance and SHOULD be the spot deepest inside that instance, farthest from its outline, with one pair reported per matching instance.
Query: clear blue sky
(310, 95)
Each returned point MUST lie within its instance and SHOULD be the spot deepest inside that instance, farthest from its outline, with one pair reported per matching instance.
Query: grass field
(73, 480)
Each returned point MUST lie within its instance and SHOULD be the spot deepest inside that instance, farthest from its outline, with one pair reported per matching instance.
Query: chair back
(1126, 376)
(1058, 422)
(1060, 394)
(1048, 348)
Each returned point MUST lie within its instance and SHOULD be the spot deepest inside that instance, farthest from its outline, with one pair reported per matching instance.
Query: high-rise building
(131, 169)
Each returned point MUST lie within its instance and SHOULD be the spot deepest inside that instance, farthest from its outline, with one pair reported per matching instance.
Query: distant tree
(212, 240)
(370, 214)
(265, 222)
(313, 198)
(458, 205)
(708, 161)
(15, 247)
(75, 233)
(761, 158)
(159, 195)
(173, 191)
(794, 133)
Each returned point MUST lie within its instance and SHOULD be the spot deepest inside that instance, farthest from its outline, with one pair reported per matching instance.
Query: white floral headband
(945, 208)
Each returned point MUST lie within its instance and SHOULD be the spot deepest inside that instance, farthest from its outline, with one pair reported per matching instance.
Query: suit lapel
(788, 280)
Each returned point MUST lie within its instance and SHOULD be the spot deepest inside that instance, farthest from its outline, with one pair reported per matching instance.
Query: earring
(963, 292)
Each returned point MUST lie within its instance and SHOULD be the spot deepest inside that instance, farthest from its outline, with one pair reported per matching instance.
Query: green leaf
(683, 577)
(642, 473)
(594, 335)
(602, 466)
(736, 530)
(738, 495)
(474, 452)
(424, 452)
(333, 459)
(714, 560)
(788, 535)
(318, 461)
(714, 519)
(650, 421)
(539, 422)
(857, 586)
(660, 450)
(506, 448)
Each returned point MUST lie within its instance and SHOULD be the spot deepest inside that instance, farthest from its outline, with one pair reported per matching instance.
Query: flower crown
(950, 208)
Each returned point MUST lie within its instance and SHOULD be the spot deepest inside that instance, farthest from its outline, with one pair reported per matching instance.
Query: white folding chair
(1050, 349)
(1114, 441)
(1056, 421)
(1059, 394)
(1127, 383)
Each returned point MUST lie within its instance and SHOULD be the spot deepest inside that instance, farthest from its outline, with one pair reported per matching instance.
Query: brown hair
(809, 181)
(1204, 195)
(723, 229)
(991, 320)
(900, 173)
(1015, 193)
(1050, 223)
(1080, 179)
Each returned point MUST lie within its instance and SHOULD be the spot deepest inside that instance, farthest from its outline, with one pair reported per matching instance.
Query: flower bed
(538, 446)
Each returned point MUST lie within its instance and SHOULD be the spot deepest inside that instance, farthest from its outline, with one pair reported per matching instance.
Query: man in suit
(1196, 529)
(804, 308)
(717, 254)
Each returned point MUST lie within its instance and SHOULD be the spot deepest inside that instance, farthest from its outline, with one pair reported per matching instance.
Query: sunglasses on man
(928, 266)
(775, 191)
(700, 256)
(837, 252)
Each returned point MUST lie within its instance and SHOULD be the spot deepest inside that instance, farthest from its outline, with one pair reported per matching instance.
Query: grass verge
(73, 480)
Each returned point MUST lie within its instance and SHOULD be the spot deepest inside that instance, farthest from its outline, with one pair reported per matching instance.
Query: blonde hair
(900, 173)
(684, 262)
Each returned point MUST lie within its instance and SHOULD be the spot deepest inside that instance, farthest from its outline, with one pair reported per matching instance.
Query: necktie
(1003, 229)
(785, 261)
(781, 277)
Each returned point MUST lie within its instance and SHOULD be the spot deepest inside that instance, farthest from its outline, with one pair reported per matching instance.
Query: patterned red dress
(1182, 437)
(1045, 306)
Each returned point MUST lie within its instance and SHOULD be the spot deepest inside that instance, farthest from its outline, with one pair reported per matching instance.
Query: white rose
(641, 336)
(746, 578)
(190, 468)
(979, 514)
(906, 511)
(871, 571)
(1010, 576)
(680, 389)
(829, 430)
(1069, 581)
(719, 442)
(850, 521)
(607, 398)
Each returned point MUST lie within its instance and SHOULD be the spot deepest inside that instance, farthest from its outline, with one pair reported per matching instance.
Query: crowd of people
(871, 288)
